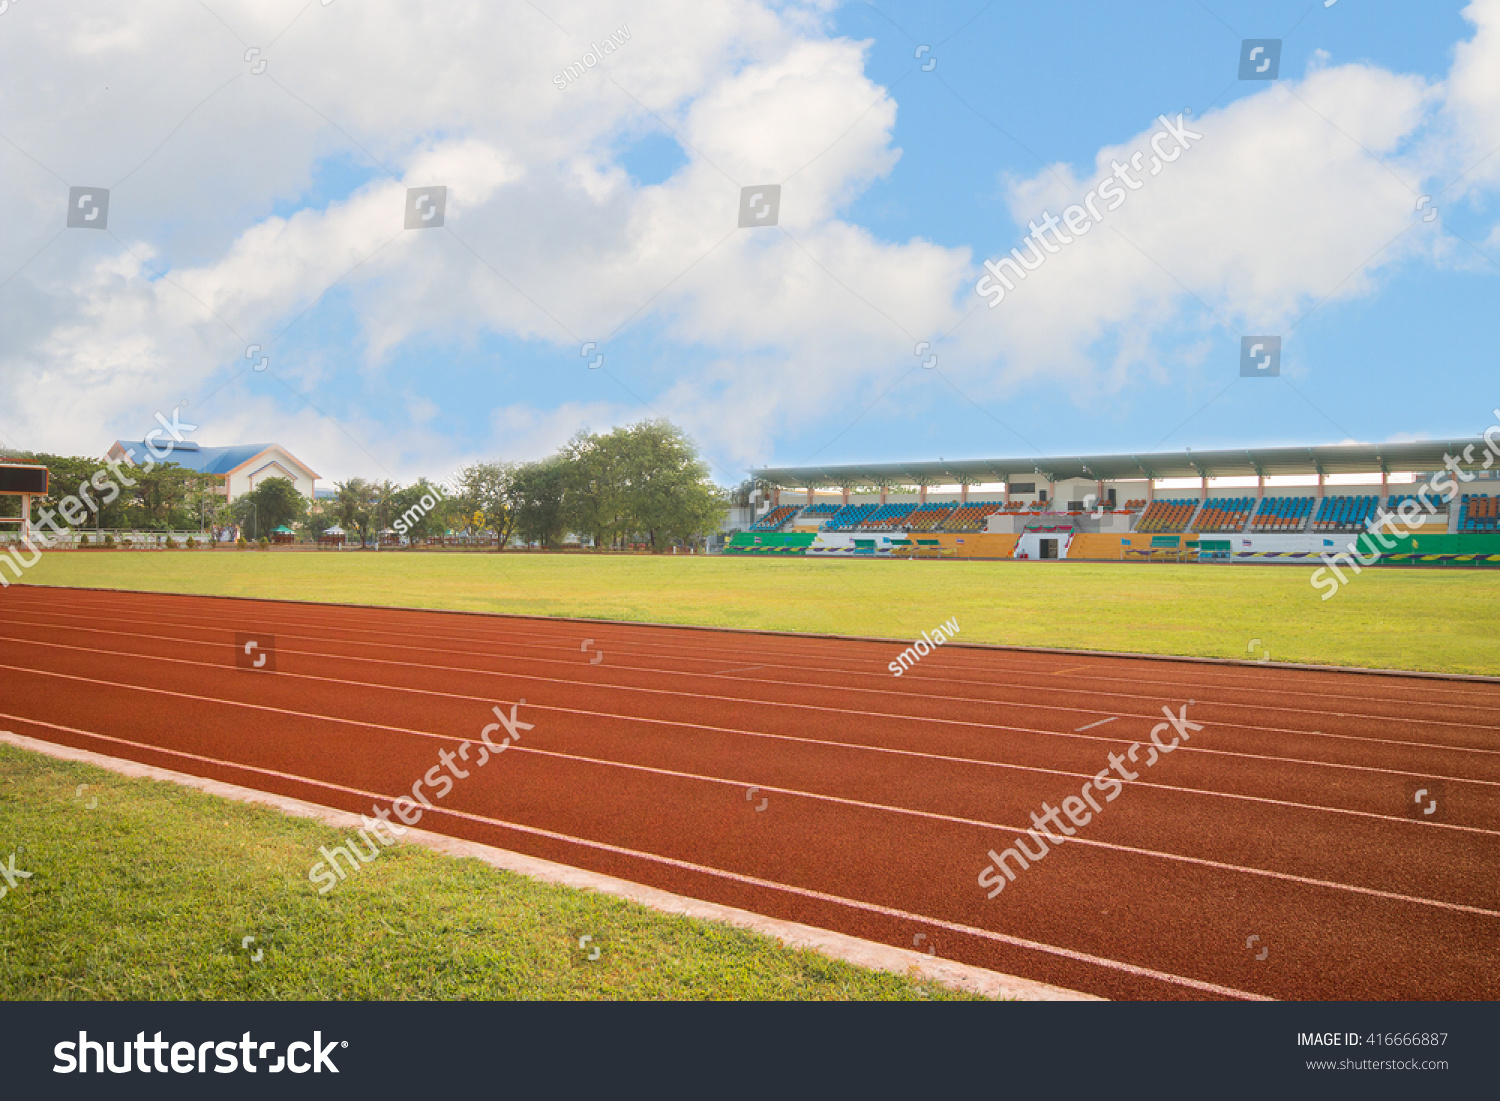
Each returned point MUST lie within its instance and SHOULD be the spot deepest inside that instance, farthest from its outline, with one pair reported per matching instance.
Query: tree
(159, 499)
(353, 500)
(593, 488)
(668, 495)
(490, 489)
(274, 503)
(405, 511)
(217, 517)
(537, 492)
(644, 479)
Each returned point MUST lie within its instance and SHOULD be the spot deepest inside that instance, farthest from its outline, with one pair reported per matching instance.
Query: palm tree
(353, 501)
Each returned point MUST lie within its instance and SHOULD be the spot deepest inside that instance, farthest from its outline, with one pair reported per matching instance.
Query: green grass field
(1445, 620)
(150, 894)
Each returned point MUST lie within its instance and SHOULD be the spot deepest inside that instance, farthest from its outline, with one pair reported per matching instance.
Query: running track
(1285, 818)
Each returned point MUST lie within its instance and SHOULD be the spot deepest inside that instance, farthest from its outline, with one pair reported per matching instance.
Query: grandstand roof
(1392, 458)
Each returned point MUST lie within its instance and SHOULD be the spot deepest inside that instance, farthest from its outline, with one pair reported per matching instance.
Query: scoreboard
(16, 479)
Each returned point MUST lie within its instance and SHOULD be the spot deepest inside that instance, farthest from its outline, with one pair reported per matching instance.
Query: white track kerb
(923, 646)
(406, 808)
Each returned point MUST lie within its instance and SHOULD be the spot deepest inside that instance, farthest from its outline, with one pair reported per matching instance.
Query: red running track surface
(798, 778)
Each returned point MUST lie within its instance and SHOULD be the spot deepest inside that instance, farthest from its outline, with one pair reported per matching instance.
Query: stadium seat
(972, 516)
(886, 517)
(1339, 513)
(775, 519)
(930, 517)
(1224, 514)
(1167, 516)
(1281, 514)
(847, 518)
(1481, 513)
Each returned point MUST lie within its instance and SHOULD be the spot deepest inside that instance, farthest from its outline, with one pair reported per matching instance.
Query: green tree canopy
(274, 503)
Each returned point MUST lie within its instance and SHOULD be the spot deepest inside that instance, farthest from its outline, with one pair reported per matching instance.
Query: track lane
(1467, 726)
(690, 647)
(1304, 780)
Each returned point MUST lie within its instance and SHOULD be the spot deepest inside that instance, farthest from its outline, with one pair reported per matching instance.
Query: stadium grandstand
(1279, 505)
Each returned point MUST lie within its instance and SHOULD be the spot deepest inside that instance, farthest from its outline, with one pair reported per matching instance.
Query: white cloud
(1283, 202)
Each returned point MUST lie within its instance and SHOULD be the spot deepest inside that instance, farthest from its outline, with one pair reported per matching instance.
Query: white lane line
(869, 907)
(931, 815)
(722, 672)
(1101, 722)
(739, 700)
(695, 653)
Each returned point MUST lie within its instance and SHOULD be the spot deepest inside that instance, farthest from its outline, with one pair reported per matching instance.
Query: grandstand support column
(1260, 488)
(809, 496)
(882, 493)
(1385, 487)
(963, 493)
(1321, 479)
(846, 494)
(1150, 490)
(1203, 489)
(922, 494)
(776, 497)
(1007, 493)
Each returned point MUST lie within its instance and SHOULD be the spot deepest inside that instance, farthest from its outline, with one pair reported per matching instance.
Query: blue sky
(605, 212)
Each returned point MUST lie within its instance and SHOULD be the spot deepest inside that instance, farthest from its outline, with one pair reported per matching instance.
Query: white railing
(137, 540)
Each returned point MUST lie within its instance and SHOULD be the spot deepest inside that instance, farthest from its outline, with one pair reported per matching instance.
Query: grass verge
(1444, 620)
(145, 890)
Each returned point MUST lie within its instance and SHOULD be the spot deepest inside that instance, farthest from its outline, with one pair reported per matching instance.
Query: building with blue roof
(239, 468)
